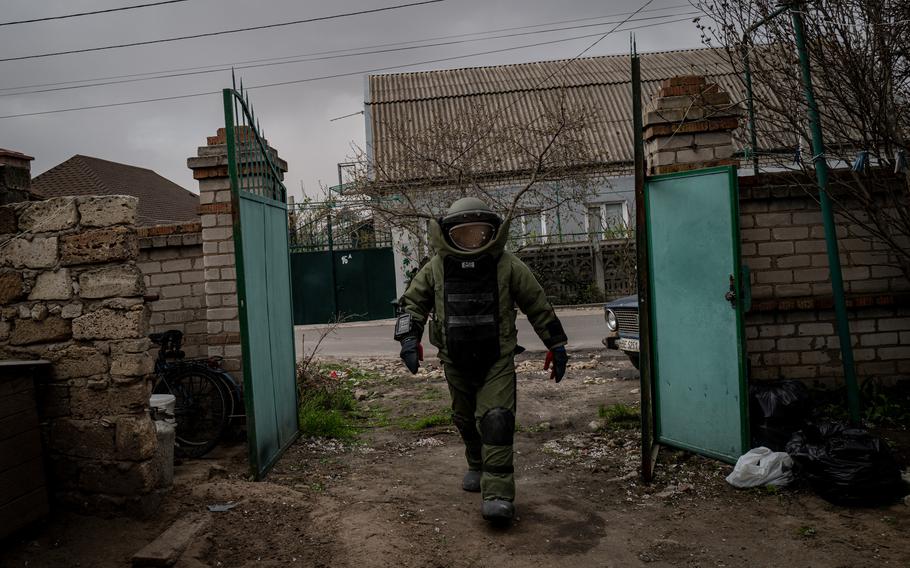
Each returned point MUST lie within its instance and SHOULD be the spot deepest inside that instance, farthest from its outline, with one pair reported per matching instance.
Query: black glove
(559, 359)
(411, 353)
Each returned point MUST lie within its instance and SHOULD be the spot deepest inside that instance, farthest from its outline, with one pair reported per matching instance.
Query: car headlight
(611, 320)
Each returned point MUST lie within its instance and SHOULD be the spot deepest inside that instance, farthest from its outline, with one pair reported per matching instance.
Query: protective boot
(498, 511)
(471, 481)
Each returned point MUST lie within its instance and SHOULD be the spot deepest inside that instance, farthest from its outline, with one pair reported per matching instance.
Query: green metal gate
(259, 208)
(696, 302)
(342, 265)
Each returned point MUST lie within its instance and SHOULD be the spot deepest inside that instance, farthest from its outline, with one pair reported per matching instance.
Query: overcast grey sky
(296, 118)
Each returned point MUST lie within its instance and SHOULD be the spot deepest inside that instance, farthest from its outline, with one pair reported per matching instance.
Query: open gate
(259, 208)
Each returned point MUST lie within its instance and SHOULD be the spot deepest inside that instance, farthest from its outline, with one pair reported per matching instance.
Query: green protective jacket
(517, 287)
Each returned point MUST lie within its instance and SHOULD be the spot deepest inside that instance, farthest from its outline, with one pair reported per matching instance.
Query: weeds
(806, 531)
(325, 403)
(429, 421)
(619, 412)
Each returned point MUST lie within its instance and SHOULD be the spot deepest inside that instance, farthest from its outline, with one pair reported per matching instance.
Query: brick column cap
(13, 158)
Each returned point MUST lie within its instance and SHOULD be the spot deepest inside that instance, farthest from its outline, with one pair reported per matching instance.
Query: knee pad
(466, 427)
(497, 427)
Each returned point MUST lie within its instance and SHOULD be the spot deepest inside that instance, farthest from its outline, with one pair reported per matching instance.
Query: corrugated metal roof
(411, 104)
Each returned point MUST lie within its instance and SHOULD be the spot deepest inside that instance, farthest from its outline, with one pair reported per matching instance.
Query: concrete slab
(167, 548)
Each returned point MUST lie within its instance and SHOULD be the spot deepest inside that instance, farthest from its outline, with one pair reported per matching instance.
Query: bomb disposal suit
(472, 287)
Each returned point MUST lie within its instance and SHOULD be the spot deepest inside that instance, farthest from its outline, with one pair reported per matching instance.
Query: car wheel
(634, 360)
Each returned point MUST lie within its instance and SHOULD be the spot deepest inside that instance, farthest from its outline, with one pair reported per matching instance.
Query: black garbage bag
(777, 409)
(846, 466)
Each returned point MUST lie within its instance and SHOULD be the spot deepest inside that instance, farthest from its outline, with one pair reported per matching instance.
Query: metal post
(753, 138)
(648, 454)
(332, 262)
(821, 173)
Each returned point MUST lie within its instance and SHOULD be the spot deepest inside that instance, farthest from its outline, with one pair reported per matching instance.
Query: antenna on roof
(233, 79)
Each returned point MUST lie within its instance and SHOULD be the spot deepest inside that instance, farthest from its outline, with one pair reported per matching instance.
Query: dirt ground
(393, 497)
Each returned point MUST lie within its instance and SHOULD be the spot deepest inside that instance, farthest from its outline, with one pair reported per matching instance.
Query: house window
(608, 220)
(528, 228)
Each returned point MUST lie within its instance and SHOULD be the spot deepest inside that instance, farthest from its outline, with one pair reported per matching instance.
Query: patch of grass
(429, 421)
(766, 490)
(316, 420)
(618, 412)
(806, 531)
(325, 404)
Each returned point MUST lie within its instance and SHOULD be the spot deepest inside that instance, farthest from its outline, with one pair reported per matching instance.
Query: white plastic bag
(761, 466)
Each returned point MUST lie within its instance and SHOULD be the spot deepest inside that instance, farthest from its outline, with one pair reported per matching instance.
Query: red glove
(420, 351)
(558, 358)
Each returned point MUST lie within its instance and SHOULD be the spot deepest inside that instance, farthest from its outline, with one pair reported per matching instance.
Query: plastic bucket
(163, 406)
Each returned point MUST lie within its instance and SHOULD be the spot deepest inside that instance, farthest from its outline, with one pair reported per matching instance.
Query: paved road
(585, 328)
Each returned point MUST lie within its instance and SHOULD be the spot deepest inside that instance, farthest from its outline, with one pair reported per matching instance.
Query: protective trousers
(483, 409)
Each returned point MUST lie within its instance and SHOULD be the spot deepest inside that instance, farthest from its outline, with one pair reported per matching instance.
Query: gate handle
(731, 295)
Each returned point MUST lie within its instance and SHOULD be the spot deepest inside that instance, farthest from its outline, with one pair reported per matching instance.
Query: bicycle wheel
(202, 409)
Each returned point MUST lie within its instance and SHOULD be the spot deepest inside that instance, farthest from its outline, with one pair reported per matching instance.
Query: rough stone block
(110, 324)
(55, 214)
(11, 288)
(49, 330)
(107, 210)
(119, 478)
(52, 285)
(132, 364)
(39, 252)
(136, 438)
(99, 245)
(76, 361)
(117, 281)
(8, 222)
(117, 399)
(93, 439)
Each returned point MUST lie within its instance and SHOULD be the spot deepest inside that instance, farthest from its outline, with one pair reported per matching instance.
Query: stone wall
(71, 293)
(170, 257)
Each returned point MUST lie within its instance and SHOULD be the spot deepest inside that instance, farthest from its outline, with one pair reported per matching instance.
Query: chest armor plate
(472, 310)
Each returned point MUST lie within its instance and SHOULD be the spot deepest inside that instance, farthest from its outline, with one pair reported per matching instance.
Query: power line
(347, 74)
(337, 56)
(92, 13)
(222, 32)
(234, 64)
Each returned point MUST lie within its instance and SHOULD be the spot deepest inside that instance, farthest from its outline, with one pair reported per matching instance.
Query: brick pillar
(15, 177)
(689, 125)
(210, 168)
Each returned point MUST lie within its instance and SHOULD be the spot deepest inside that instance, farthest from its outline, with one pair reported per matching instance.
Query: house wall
(71, 293)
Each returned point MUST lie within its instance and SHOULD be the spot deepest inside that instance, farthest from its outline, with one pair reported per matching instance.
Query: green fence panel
(311, 280)
(360, 286)
(365, 283)
(258, 201)
(697, 342)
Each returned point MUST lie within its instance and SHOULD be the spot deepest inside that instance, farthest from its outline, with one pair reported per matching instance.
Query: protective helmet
(470, 224)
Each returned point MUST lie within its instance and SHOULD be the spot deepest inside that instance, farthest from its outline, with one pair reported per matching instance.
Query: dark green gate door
(258, 199)
(697, 342)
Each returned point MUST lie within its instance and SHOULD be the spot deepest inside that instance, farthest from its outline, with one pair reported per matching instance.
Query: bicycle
(206, 395)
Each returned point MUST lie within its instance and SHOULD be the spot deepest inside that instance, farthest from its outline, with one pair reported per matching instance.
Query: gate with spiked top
(260, 219)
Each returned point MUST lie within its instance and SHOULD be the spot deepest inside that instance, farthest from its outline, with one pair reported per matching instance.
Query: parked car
(622, 326)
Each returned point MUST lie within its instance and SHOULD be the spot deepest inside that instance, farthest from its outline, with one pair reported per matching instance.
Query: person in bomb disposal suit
(472, 285)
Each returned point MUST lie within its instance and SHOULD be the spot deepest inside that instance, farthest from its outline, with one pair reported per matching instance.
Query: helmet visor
(471, 236)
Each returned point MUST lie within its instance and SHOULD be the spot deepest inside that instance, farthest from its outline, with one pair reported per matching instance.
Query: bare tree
(860, 62)
(521, 167)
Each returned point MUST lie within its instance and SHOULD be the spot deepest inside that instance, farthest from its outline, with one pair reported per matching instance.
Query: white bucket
(163, 406)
